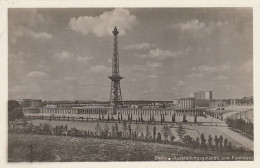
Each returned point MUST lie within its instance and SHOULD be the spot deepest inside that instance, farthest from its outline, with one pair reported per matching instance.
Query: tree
(14, 110)
(116, 129)
(173, 118)
(166, 131)
(135, 136)
(30, 127)
(216, 141)
(106, 130)
(142, 136)
(197, 142)
(229, 145)
(187, 139)
(181, 131)
(148, 134)
(225, 143)
(195, 119)
(203, 140)
(220, 141)
(113, 131)
(124, 127)
(97, 129)
(154, 133)
(159, 137)
(137, 129)
(210, 141)
(184, 118)
(46, 128)
(112, 117)
(172, 138)
(163, 117)
(129, 130)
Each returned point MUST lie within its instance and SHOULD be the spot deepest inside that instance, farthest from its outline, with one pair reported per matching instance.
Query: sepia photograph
(130, 84)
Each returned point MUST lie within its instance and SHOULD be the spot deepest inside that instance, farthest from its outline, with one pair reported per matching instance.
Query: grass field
(194, 131)
(62, 148)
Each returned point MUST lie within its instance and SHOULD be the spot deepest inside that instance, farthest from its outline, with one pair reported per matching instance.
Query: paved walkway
(239, 138)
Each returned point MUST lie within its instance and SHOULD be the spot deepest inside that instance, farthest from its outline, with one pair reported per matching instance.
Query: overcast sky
(164, 53)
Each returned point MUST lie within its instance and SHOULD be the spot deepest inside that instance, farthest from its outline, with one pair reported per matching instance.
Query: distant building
(26, 102)
(202, 102)
(201, 95)
(202, 98)
(217, 103)
(36, 103)
(30, 102)
(146, 102)
(176, 102)
(187, 102)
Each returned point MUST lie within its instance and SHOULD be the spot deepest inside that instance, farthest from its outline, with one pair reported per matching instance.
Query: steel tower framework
(115, 94)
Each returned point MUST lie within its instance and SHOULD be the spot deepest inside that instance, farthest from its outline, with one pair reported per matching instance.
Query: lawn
(63, 148)
(193, 130)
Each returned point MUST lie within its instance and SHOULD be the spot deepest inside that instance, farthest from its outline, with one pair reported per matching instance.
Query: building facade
(105, 112)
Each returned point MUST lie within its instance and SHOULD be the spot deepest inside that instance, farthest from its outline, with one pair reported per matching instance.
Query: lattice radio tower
(115, 94)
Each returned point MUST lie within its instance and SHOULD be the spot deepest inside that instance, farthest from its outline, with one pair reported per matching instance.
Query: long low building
(105, 112)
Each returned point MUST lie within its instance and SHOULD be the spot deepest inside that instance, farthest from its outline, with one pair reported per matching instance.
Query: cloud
(27, 17)
(164, 54)
(181, 83)
(191, 25)
(133, 80)
(147, 91)
(196, 75)
(211, 69)
(247, 66)
(41, 35)
(36, 74)
(152, 76)
(70, 78)
(205, 70)
(99, 68)
(63, 55)
(21, 31)
(103, 24)
(219, 78)
(86, 58)
(153, 64)
(140, 46)
(23, 22)
(160, 54)
(198, 28)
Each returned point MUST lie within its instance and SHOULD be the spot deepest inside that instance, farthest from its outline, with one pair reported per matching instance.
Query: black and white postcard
(124, 84)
